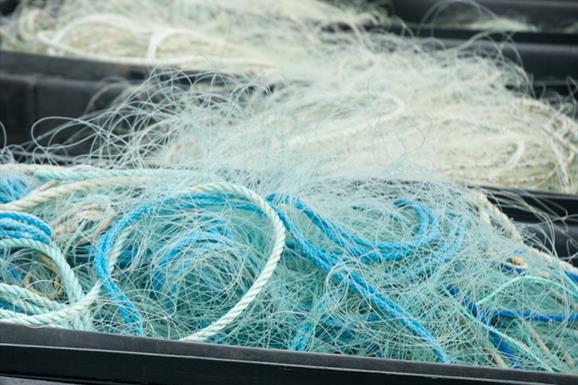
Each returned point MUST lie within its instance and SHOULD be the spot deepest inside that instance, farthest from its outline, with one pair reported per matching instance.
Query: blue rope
(127, 308)
(16, 225)
(8, 306)
(361, 247)
(327, 261)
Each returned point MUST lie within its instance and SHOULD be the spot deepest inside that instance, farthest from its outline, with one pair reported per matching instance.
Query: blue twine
(529, 315)
(572, 276)
(302, 336)
(342, 328)
(445, 251)
(485, 317)
(509, 268)
(207, 241)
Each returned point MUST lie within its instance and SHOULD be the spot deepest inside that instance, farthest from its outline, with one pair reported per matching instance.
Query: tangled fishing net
(447, 113)
(378, 98)
(247, 35)
(337, 264)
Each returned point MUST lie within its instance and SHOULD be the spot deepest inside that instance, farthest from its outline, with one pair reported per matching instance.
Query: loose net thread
(422, 270)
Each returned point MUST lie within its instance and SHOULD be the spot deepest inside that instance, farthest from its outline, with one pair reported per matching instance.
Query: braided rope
(38, 198)
(54, 39)
(490, 210)
(56, 317)
(72, 286)
(27, 297)
(268, 269)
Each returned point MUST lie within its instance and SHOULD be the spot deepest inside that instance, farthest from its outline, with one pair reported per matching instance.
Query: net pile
(337, 264)
(238, 36)
(379, 98)
(346, 118)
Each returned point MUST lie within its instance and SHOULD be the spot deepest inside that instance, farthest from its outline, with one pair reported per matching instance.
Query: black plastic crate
(7, 6)
(94, 358)
(28, 355)
(39, 86)
(549, 55)
(551, 67)
(550, 15)
(33, 87)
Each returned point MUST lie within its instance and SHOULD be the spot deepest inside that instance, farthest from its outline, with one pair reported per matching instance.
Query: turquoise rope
(12, 188)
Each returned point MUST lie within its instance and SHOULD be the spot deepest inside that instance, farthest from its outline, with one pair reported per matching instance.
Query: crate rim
(42, 342)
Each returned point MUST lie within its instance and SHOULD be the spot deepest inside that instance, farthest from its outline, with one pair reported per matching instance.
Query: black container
(83, 358)
(550, 56)
(28, 355)
(549, 15)
(33, 87)
(551, 67)
(36, 86)
(7, 6)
